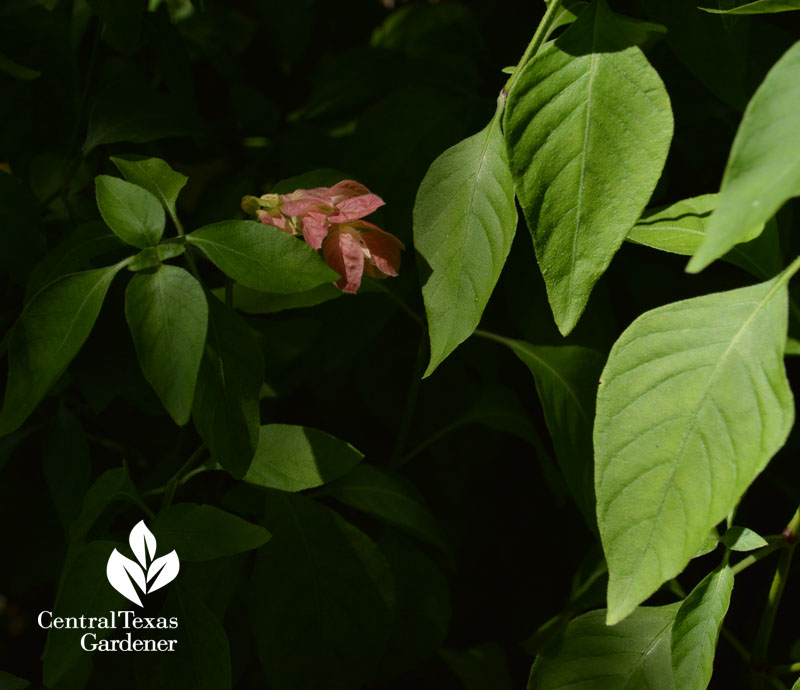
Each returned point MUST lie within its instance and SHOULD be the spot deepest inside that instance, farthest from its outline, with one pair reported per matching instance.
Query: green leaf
(132, 212)
(763, 169)
(566, 381)
(693, 403)
(112, 485)
(742, 539)
(262, 257)
(294, 458)
(67, 465)
(255, 302)
(465, 218)
(681, 227)
(695, 632)
(203, 532)
(588, 126)
(155, 176)
(796, 685)
(168, 314)
(201, 656)
(390, 498)
(759, 7)
(9, 682)
(47, 336)
(709, 544)
(319, 591)
(150, 257)
(792, 346)
(421, 609)
(633, 654)
(83, 591)
(225, 410)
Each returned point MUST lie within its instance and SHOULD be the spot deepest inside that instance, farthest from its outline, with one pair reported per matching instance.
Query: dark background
(241, 95)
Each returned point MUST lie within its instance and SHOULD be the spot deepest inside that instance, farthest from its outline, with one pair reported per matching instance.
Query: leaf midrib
(680, 457)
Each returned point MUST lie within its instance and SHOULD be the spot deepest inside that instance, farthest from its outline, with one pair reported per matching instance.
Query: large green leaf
(225, 409)
(566, 381)
(262, 257)
(132, 212)
(389, 497)
(681, 227)
(48, 334)
(693, 403)
(759, 7)
(588, 126)
(465, 218)
(203, 532)
(635, 654)
(695, 632)
(294, 458)
(168, 315)
(763, 169)
(155, 176)
(318, 592)
(83, 591)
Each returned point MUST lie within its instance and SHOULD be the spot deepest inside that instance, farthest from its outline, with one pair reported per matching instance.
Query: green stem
(790, 536)
(411, 402)
(757, 555)
(536, 42)
(176, 480)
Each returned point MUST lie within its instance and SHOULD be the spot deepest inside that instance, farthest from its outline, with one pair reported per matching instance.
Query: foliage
(267, 291)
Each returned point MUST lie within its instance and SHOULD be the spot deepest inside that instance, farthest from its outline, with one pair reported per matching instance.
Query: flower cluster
(331, 219)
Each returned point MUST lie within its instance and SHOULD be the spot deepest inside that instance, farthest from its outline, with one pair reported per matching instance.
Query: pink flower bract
(330, 218)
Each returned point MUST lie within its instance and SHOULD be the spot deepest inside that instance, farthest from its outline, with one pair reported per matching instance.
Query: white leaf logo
(149, 574)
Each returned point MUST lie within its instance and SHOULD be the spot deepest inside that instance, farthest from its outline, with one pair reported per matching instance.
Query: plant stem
(536, 42)
(411, 401)
(177, 479)
(790, 536)
(757, 555)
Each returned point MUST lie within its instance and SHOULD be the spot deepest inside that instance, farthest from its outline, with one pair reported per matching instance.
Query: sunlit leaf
(632, 654)
(759, 7)
(693, 403)
(588, 126)
(763, 169)
(465, 218)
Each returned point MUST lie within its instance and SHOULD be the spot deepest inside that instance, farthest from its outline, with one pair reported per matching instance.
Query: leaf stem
(757, 555)
(790, 536)
(178, 478)
(536, 42)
